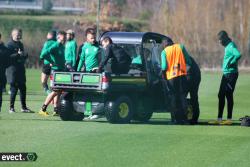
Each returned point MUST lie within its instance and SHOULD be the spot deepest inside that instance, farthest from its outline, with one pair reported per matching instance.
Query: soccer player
(229, 78)
(55, 55)
(46, 69)
(70, 50)
(90, 55)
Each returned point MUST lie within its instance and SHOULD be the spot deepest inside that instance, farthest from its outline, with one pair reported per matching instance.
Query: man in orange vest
(174, 59)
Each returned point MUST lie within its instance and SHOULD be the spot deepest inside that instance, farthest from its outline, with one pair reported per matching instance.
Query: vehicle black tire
(66, 110)
(120, 110)
(144, 111)
(77, 116)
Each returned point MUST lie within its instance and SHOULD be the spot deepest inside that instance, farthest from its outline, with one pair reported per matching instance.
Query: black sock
(44, 107)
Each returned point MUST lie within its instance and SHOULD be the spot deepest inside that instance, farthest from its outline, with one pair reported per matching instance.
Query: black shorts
(46, 69)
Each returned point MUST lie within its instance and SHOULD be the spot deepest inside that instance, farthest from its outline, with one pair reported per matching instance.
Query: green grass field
(155, 144)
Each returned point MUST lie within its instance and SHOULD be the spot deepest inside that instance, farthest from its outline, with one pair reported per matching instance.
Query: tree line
(194, 23)
(197, 22)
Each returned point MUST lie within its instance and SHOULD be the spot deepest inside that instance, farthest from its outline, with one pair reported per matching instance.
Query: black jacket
(16, 70)
(117, 55)
(4, 61)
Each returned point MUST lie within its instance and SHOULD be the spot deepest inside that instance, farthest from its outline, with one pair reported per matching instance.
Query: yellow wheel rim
(123, 110)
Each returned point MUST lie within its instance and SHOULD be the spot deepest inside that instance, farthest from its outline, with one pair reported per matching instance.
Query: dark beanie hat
(223, 35)
(53, 33)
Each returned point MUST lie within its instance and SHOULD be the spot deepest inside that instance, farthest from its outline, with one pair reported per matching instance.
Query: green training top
(46, 45)
(230, 60)
(137, 60)
(89, 57)
(164, 65)
(56, 58)
(70, 52)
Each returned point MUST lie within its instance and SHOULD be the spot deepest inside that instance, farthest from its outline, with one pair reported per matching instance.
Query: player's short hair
(90, 31)
(107, 38)
(61, 33)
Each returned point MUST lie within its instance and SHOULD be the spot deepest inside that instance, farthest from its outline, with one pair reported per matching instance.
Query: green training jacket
(137, 60)
(46, 45)
(55, 55)
(230, 59)
(89, 57)
(70, 52)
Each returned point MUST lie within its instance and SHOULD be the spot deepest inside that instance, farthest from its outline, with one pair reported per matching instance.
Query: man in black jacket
(3, 65)
(16, 71)
(4, 61)
(116, 59)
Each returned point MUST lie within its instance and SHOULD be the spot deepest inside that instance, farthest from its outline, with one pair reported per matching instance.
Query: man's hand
(22, 54)
(95, 69)
(231, 65)
(19, 51)
(70, 68)
(99, 70)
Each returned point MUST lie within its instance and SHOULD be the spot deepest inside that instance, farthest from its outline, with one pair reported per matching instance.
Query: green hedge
(28, 24)
(34, 33)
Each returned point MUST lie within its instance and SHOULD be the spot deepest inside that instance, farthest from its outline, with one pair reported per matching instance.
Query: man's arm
(236, 55)
(4, 55)
(74, 53)
(82, 59)
(47, 51)
(68, 53)
(107, 56)
(12, 52)
(164, 64)
(43, 49)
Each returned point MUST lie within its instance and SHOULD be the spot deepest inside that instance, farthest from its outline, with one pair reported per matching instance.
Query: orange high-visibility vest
(176, 64)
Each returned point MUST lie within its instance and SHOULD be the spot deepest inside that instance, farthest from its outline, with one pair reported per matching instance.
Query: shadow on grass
(161, 121)
(153, 121)
(33, 119)
(19, 116)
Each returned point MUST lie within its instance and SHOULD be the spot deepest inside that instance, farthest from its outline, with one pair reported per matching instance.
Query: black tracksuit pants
(13, 89)
(178, 99)
(1, 93)
(194, 99)
(227, 86)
